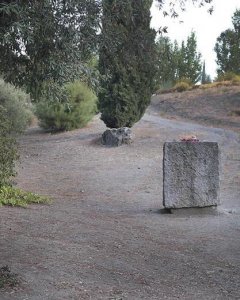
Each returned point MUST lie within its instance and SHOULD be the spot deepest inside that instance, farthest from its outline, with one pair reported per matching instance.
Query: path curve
(103, 236)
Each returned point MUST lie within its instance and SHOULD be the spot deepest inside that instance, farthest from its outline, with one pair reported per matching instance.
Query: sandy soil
(104, 236)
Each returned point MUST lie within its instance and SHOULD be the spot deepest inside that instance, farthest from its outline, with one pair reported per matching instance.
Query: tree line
(108, 45)
(178, 62)
(74, 58)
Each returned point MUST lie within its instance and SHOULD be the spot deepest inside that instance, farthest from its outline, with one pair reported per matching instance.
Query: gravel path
(104, 236)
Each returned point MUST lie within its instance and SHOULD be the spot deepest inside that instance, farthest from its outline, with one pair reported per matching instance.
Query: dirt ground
(104, 236)
(217, 106)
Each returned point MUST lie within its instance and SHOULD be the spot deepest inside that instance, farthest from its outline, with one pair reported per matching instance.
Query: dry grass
(216, 104)
(224, 83)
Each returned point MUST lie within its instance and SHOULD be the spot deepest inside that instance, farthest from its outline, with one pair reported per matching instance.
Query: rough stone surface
(116, 137)
(190, 174)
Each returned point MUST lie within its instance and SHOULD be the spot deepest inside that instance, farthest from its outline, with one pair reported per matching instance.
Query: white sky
(207, 27)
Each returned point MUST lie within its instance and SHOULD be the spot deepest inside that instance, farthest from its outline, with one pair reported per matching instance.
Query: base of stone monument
(209, 210)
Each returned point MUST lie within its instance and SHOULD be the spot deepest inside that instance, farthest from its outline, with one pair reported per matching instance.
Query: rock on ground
(116, 137)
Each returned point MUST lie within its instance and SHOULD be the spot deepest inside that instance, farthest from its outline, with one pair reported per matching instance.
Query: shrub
(15, 197)
(236, 80)
(229, 76)
(17, 106)
(8, 149)
(182, 86)
(236, 112)
(75, 113)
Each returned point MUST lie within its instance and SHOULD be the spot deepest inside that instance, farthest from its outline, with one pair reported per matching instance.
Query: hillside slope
(217, 106)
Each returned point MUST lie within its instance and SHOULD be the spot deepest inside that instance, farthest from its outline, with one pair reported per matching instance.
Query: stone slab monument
(190, 174)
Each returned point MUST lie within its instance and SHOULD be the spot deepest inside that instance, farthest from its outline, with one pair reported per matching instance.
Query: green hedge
(17, 106)
(8, 149)
(74, 113)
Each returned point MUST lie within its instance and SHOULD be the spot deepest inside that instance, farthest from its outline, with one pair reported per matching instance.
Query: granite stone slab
(190, 174)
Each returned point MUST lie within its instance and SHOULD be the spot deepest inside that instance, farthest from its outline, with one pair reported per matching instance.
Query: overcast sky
(207, 27)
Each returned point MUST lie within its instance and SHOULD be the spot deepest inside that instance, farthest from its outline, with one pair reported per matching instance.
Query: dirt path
(103, 236)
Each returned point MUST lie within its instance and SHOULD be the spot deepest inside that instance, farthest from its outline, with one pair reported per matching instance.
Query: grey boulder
(116, 137)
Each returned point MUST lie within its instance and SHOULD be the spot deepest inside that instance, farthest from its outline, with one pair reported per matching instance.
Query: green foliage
(227, 48)
(166, 62)
(182, 86)
(74, 113)
(126, 62)
(236, 112)
(15, 197)
(46, 40)
(228, 76)
(205, 78)
(175, 63)
(189, 60)
(172, 8)
(17, 107)
(7, 278)
(236, 80)
(8, 148)
(15, 115)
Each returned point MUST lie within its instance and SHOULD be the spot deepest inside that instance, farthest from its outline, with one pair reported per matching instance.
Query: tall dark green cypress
(127, 60)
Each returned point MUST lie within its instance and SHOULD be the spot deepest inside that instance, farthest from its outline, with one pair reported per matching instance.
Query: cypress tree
(204, 75)
(126, 61)
(205, 78)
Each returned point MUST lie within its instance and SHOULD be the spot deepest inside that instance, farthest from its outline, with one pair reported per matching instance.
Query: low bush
(236, 80)
(8, 148)
(17, 106)
(74, 113)
(15, 115)
(15, 197)
(229, 76)
(236, 113)
(182, 86)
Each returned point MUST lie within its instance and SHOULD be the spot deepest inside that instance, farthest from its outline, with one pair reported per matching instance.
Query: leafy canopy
(46, 40)
(227, 48)
(178, 62)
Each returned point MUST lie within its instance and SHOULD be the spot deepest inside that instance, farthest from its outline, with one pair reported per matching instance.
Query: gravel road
(105, 236)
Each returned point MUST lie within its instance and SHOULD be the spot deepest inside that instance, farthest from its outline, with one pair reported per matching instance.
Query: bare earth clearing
(104, 236)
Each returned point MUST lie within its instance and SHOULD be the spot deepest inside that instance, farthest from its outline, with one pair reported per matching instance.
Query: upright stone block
(190, 174)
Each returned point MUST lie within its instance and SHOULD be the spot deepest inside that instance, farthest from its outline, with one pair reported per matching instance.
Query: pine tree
(126, 61)
(190, 60)
(176, 63)
(227, 48)
(166, 62)
(205, 78)
(204, 75)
